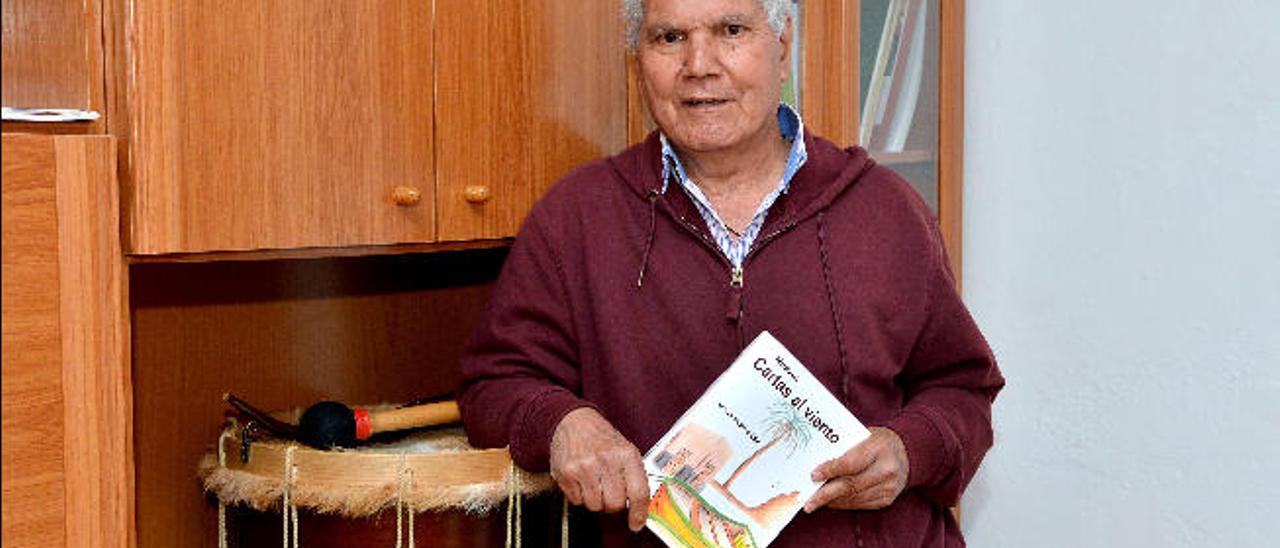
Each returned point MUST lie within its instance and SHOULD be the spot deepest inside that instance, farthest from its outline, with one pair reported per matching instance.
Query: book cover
(734, 469)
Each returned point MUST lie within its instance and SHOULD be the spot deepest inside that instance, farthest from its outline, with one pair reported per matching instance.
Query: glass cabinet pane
(898, 67)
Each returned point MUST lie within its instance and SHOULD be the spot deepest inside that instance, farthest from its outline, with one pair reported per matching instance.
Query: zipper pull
(734, 312)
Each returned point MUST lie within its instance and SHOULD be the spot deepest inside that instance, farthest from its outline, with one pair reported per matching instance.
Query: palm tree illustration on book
(691, 463)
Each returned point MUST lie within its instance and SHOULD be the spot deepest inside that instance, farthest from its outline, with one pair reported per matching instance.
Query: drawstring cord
(831, 301)
(653, 227)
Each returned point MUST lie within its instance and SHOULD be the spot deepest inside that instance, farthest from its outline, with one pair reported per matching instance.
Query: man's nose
(701, 56)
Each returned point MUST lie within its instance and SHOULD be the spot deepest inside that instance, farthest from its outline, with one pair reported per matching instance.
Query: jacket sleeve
(520, 374)
(950, 381)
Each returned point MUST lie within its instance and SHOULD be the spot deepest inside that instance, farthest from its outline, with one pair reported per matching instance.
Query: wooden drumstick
(331, 424)
(272, 424)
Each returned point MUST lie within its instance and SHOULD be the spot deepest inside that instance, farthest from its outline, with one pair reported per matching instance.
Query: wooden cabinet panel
(67, 438)
(829, 73)
(32, 447)
(525, 91)
(264, 125)
(281, 125)
(52, 54)
(951, 131)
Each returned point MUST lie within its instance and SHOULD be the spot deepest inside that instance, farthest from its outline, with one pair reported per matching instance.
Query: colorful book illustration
(734, 469)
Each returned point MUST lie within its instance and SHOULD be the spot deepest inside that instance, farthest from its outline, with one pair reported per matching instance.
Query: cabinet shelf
(319, 252)
(904, 157)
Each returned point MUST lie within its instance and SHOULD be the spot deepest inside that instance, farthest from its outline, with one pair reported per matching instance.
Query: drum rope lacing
(514, 518)
(222, 506)
(290, 511)
(513, 505)
(404, 502)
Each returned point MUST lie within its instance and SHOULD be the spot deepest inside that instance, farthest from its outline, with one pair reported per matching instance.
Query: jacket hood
(827, 173)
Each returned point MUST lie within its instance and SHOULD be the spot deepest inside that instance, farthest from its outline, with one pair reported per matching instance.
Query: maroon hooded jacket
(615, 297)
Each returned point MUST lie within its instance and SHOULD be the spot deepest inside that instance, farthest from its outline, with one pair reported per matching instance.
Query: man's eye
(669, 37)
(733, 30)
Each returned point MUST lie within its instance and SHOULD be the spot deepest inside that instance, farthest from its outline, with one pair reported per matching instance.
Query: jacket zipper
(735, 312)
(737, 279)
(768, 238)
(737, 274)
(711, 246)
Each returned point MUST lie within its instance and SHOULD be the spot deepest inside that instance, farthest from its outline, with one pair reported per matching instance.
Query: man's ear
(786, 38)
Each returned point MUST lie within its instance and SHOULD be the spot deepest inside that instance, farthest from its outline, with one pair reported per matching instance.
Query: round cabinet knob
(406, 196)
(476, 194)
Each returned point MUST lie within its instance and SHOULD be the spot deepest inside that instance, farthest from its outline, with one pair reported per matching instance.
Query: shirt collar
(790, 126)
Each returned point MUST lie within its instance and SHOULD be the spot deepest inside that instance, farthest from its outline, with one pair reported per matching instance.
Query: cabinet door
(271, 124)
(52, 52)
(67, 424)
(525, 91)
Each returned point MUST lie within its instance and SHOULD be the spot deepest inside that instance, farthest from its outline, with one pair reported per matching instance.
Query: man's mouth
(704, 102)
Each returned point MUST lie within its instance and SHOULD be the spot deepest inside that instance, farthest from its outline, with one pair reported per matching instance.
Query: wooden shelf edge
(96, 127)
(317, 252)
(904, 157)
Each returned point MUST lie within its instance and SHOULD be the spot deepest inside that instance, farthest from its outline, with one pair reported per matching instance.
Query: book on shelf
(735, 468)
(894, 88)
(875, 90)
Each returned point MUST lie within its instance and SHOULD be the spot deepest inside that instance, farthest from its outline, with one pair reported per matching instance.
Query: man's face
(711, 71)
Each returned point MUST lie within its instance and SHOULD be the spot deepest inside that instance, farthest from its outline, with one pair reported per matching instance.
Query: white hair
(775, 11)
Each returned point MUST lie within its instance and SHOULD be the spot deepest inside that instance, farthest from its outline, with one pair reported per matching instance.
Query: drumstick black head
(326, 425)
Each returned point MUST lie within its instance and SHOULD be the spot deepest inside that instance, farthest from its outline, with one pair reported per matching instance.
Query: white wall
(1122, 253)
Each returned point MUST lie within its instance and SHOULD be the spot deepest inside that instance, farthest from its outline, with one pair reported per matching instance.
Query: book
(882, 71)
(735, 468)
(899, 109)
(894, 89)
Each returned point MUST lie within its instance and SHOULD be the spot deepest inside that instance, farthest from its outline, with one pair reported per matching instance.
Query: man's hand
(596, 467)
(868, 477)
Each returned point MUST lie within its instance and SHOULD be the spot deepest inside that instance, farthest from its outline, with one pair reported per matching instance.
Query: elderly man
(639, 278)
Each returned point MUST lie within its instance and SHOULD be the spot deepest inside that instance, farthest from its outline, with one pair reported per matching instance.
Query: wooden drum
(428, 489)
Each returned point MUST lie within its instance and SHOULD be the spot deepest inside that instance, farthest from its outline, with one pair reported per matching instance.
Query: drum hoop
(360, 483)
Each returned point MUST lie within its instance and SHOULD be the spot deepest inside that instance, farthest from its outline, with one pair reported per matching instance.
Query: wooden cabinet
(66, 394)
(525, 91)
(53, 54)
(279, 124)
(53, 58)
(276, 125)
